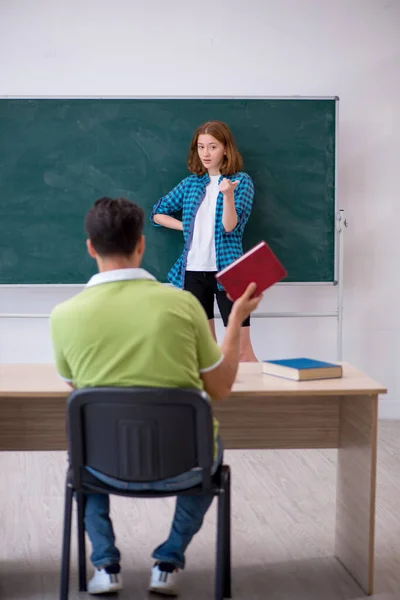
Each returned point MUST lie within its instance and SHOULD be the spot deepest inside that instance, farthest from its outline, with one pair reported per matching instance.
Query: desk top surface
(42, 380)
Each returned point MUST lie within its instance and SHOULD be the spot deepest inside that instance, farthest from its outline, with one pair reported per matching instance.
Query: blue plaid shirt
(187, 196)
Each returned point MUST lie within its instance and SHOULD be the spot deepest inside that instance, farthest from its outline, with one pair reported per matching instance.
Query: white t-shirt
(201, 256)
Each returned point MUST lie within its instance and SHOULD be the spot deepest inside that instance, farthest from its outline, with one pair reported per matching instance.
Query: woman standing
(216, 202)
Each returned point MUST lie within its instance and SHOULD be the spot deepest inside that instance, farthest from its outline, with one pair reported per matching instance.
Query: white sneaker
(104, 583)
(162, 582)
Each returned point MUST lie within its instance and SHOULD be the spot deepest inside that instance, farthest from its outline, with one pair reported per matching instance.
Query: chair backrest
(140, 434)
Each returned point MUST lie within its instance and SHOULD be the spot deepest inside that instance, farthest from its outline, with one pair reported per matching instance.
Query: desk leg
(356, 483)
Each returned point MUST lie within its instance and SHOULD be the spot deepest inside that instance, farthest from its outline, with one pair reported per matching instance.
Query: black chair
(142, 435)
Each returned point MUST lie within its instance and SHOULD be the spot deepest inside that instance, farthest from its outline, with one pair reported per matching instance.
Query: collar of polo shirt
(119, 275)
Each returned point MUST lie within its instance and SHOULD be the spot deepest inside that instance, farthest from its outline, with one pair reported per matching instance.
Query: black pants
(203, 285)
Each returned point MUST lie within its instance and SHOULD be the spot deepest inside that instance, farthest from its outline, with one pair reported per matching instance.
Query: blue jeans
(188, 518)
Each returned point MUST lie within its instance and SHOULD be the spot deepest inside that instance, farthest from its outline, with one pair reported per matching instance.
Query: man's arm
(218, 381)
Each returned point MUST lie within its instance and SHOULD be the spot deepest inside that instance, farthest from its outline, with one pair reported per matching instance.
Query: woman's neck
(213, 172)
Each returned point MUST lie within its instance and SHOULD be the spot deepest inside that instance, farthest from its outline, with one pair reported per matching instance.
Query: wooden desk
(262, 412)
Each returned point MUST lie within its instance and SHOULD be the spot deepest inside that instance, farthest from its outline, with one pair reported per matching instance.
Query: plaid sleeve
(169, 204)
(244, 194)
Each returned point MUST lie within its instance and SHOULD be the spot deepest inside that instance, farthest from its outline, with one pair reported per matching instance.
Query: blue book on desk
(302, 369)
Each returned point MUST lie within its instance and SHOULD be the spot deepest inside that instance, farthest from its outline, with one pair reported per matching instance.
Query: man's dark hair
(114, 226)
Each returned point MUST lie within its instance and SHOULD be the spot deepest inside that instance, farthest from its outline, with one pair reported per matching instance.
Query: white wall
(348, 48)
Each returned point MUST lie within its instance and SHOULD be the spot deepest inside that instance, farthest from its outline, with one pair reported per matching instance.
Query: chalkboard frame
(338, 259)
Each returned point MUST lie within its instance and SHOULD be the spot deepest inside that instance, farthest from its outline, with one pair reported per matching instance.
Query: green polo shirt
(126, 329)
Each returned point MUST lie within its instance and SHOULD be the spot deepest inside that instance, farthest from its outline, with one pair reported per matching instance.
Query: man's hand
(227, 186)
(246, 304)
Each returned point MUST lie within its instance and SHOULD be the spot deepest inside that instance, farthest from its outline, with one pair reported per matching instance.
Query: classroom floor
(283, 529)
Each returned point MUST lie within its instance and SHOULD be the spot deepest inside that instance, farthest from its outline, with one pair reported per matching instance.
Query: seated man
(126, 329)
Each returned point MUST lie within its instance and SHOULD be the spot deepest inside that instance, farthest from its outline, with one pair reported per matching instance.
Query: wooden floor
(283, 528)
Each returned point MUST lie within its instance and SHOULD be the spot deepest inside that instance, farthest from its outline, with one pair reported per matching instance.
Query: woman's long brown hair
(233, 161)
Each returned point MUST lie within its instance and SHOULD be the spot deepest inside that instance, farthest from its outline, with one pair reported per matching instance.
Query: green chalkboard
(57, 156)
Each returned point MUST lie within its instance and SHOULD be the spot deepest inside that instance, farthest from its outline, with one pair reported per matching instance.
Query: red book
(258, 265)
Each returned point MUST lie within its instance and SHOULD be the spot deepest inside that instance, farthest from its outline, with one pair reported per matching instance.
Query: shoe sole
(161, 592)
(110, 590)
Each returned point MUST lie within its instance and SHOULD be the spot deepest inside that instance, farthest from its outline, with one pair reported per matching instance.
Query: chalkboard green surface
(57, 156)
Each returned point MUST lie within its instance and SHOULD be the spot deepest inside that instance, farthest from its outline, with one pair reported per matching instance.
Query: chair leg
(219, 567)
(66, 547)
(80, 500)
(227, 536)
